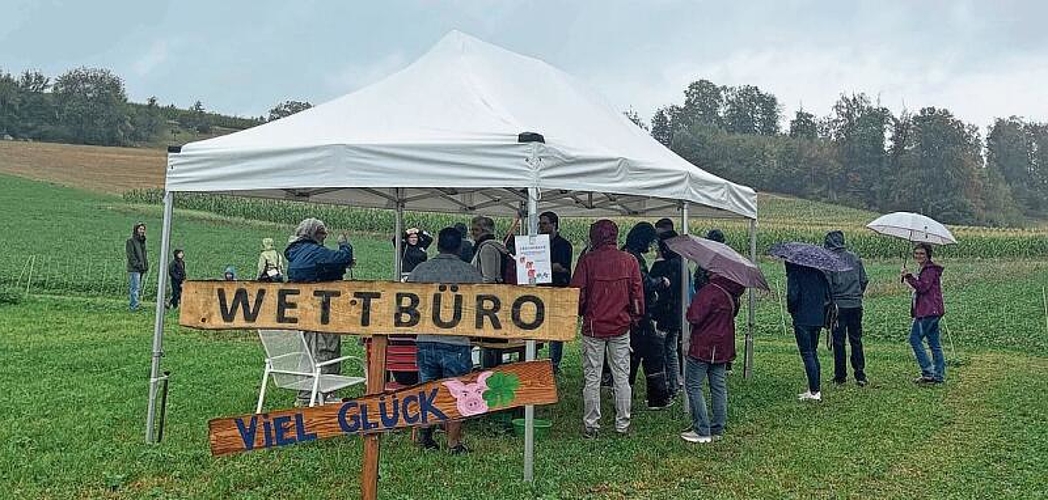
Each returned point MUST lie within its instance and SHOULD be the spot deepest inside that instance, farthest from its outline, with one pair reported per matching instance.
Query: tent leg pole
(747, 370)
(398, 230)
(529, 354)
(685, 327)
(158, 322)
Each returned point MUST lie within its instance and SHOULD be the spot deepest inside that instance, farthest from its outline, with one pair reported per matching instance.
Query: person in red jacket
(926, 310)
(611, 299)
(712, 316)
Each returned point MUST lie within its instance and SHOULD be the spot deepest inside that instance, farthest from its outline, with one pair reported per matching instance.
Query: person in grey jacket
(847, 289)
(137, 262)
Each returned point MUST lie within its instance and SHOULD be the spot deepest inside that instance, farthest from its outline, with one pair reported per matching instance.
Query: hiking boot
(840, 381)
(458, 449)
(810, 396)
(589, 433)
(694, 437)
(924, 379)
(623, 432)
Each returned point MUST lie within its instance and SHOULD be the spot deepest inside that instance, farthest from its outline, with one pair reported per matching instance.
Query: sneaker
(718, 437)
(458, 449)
(589, 433)
(623, 432)
(693, 437)
(667, 404)
(924, 379)
(810, 396)
(862, 382)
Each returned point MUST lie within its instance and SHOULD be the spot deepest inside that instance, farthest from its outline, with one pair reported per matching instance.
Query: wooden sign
(507, 386)
(382, 307)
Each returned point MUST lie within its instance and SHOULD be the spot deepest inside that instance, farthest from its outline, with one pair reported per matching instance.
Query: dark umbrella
(804, 254)
(719, 259)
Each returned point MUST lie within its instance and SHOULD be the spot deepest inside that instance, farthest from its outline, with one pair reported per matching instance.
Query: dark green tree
(859, 129)
(288, 108)
(703, 104)
(92, 106)
(803, 126)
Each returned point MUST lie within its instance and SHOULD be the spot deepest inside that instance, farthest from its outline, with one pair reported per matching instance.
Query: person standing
(561, 253)
(926, 310)
(807, 296)
(176, 270)
(649, 346)
(611, 298)
(667, 310)
(414, 244)
(445, 356)
(137, 262)
(712, 317)
(271, 264)
(847, 289)
(466, 252)
(489, 259)
(309, 261)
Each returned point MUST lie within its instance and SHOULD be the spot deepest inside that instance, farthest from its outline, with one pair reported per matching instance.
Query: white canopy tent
(467, 128)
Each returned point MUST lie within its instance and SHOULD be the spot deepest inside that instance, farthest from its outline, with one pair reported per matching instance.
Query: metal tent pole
(158, 322)
(398, 244)
(685, 327)
(529, 354)
(747, 370)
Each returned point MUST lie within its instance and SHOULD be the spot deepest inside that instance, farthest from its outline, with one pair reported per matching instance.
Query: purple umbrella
(719, 259)
(804, 254)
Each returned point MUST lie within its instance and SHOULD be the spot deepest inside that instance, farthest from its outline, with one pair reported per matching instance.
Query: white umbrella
(913, 227)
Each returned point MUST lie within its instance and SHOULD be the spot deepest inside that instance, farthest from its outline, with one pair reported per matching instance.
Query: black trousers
(648, 348)
(849, 324)
(176, 293)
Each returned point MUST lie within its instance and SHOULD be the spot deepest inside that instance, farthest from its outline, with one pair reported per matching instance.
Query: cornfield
(781, 220)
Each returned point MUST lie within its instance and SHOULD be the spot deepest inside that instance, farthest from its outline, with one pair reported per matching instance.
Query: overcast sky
(980, 59)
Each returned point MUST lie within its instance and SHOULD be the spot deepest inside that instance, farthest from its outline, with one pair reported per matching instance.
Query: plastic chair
(292, 366)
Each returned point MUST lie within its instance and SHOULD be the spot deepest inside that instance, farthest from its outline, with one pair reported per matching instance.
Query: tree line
(862, 155)
(90, 106)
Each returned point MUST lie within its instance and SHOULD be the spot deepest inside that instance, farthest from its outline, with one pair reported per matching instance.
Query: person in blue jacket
(309, 261)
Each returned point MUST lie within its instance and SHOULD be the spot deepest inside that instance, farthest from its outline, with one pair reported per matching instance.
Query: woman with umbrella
(927, 308)
(809, 302)
(711, 345)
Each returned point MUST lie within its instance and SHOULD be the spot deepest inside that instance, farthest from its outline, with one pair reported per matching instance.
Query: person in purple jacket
(927, 308)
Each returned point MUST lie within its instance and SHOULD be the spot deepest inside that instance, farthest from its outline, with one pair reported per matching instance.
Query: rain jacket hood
(603, 233)
(847, 287)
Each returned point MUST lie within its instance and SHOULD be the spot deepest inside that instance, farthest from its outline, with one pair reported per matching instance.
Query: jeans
(136, 289)
(617, 352)
(176, 293)
(807, 343)
(323, 347)
(696, 375)
(673, 376)
(649, 351)
(556, 353)
(928, 328)
(437, 360)
(849, 324)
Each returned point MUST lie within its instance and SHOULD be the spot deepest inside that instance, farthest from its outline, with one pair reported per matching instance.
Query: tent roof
(445, 130)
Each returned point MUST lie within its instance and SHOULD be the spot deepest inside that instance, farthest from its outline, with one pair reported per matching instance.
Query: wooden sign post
(378, 309)
(431, 403)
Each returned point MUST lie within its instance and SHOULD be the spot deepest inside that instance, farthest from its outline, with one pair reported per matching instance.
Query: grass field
(74, 366)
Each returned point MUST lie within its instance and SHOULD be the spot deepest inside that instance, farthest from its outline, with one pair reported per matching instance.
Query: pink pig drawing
(469, 398)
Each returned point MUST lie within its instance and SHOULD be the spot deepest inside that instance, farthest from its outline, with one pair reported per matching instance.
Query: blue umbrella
(804, 254)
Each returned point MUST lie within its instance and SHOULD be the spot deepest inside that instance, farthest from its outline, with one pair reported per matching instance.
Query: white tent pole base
(158, 323)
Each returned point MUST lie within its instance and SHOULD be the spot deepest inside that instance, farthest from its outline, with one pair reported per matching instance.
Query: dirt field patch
(96, 168)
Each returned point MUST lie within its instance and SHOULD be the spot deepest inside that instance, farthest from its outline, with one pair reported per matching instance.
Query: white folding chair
(292, 366)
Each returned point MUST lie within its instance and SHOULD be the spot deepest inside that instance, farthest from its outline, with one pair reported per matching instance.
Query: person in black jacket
(667, 310)
(137, 262)
(807, 297)
(648, 344)
(414, 244)
(176, 270)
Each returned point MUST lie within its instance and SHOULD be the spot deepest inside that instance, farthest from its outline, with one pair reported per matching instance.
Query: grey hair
(487, 224)
(308, 229)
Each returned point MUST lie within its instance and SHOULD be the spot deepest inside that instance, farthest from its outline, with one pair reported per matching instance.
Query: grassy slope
(88, 360)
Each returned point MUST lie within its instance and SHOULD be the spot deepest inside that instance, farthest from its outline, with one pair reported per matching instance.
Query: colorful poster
(534, 265)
